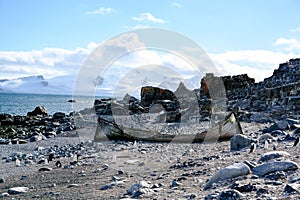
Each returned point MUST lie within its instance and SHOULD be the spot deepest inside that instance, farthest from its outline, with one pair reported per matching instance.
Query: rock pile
(274, 98)
(37, 125)
(153, 100)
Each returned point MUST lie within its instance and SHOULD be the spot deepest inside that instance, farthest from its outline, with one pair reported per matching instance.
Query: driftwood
(177, 132)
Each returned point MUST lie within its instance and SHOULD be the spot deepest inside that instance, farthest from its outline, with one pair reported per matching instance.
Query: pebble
(230, 194)
(72, 185)
(295, 179)
(270, 167)
(273, 155)
(17, 190)
(4, 194)
(232, 171)
(277, 183)
(292, 188)
(175, 183)
(239, 141)
(2, 180)
(139, 189)
(45, 169)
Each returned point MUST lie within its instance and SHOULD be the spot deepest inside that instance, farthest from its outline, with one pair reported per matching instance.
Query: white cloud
(101, 11)
(49, 62)
(258, 64)
(138, 26)
(290, 44)
(148, 17)
(295, 30)
(175, 4)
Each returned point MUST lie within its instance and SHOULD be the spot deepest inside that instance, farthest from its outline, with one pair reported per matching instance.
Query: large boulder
(153, 96)
(40, 110)
(239, 141)
(232, 171)
(270, 167)
(103, 106)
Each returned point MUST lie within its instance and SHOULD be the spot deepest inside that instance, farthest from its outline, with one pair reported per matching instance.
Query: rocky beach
(56, 156)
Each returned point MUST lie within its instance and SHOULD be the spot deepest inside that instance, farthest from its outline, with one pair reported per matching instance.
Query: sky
(54, 38)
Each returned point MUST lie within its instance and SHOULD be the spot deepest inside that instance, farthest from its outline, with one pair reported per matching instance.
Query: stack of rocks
(37, 125)
(277, 97)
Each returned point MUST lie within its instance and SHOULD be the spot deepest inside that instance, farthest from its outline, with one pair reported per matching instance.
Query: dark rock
(273, 155)
(277, 133)
(36, 138)
(292, 188)
(251, 165)
(261, 191)
(244, 188)
(276, 176)
(103, 106)
(40, 110)
(59, 115)
(230, 194)
(296, 131)
(295, 179)
(238, 142)
(106, 187)
(2, 180)
(270, 167)
(152, 96)
(45, 169)
(293, 123)
(17, 190)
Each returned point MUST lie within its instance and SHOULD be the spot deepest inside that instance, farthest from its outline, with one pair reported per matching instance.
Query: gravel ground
(167, 171)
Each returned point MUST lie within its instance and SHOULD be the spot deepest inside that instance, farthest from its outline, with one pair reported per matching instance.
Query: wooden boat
(163, 132)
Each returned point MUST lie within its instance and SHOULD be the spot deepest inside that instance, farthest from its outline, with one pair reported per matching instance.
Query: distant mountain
(103, 85)
(39, 85)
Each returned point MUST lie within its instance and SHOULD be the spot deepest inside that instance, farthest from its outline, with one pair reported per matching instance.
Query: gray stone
(239, 141)
(36, 138)
(106, 187)
(293, 123)
(266, 136)
(17, 190)
(138, 189)
(267, 168)
(2, 180)
(4, 194)
(296, 131)
(276, 175)
(273, 155)
(292, 188)
(295, 179)
(232, 171)
(230, 194)
(45, 169)
(40, 110)
(73, 185)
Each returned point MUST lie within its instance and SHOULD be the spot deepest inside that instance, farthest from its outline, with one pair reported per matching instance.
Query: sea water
(20, 104)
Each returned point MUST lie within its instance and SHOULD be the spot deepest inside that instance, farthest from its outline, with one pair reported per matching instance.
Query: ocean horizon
(22, 103)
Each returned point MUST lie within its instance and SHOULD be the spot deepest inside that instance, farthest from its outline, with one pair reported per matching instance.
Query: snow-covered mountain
(39, 85)
(103, 85)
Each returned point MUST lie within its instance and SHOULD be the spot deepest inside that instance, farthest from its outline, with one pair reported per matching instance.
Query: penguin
(50, 157)
(266, 145)
(252, 148)
(296, 141)
(58, 164)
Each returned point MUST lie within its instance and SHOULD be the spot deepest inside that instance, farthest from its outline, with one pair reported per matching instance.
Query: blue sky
(54, 37)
